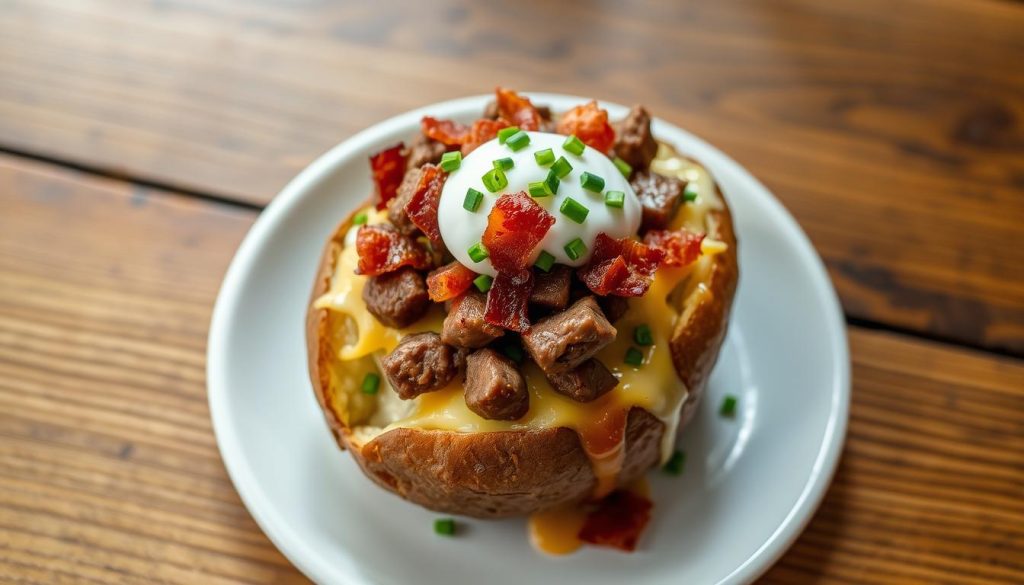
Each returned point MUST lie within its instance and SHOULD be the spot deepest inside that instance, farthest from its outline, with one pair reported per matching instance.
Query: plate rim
(289, 542)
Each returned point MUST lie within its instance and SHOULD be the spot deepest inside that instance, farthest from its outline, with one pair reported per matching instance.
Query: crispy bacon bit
(482, 131)
(448, 132)
(515, 226)
(449, 281)
(422, 206)
(382, 248)
(517, 110)
(681, 247)
(618, 521)
(388, 168)
(590, 124)
(508, 299)
(621, 267)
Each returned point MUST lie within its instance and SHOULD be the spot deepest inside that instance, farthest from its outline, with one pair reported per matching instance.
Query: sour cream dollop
(461, 228)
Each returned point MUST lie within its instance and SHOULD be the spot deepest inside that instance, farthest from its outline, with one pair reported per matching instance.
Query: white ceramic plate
(750, 485)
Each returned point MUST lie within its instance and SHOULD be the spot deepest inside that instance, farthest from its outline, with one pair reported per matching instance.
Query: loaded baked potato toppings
(523, 315)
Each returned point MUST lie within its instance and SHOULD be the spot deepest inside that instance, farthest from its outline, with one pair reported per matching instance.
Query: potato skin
(514, 473)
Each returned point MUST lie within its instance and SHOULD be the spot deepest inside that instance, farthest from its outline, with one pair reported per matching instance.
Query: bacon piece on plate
(448, 132)
(515, 225)
(382, 248)
(482, 131)
(681, 247)
(618, 521)
(388, 168)
(508, 299)
(422, 206)
(590, 124)
(621, 267)
(449, 281)
(517, 110)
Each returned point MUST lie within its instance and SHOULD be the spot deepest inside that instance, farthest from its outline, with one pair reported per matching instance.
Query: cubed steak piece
(551, 289)
(634, 142)
(614, 307)
(397, 299)
(423, 150)
(465, 326)
(589, 381)
(396, 207)
(659, 196)
(422, 363)
(565, 340)
(494, 387)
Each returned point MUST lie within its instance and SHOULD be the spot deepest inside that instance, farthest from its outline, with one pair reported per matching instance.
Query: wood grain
(109, 472)
(893, 132)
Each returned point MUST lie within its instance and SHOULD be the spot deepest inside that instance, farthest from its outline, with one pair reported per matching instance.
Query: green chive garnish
(495, 180)
(371, 383)
(574, 145)
(504, 133)
(591, 182)
(504, 163)
(477, 252)
(575, 249)
(513, 352)
(451, 161)
(642, 335)
(561, 167)
(359, 219)
(634, 357)
(675, 463)
(728, 406)
(690, 193)
(552, 182)
(615, 199)
(539, 189)
(444, 526)
(483, 282)
(518, 141)
(574, 210)
(544, 157)
(472, 200)
(623, 167)
(545, 261)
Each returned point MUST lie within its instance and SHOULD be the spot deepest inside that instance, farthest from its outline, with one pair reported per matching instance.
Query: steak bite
(396, 208)
(465, 326)
(422, 363)
(551, 289)
(634, 142)
(588, 382)
(614, 307)
(396, 299)
(423, 150)
(494, 387)
(659, 196)
(565, 340)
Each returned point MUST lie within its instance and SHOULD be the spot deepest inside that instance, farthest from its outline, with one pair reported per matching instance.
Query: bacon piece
(515, 226)
(590, 124)
(448, 132)
(388, 168)
(422, 206)
(508, 299)
(621, 267)
(681, 247)
(517, 110)
(382, 248)
(449, 281)
(481, 132)
(618, 521)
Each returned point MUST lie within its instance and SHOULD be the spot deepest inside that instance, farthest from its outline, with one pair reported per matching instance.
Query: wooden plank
(109, 471)
(895, 141)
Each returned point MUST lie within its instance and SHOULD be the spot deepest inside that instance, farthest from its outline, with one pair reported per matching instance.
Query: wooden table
(139, 140)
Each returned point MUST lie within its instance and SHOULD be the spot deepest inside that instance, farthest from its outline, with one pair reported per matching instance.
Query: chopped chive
(634, 357)
(504, 163)
(483, 282)
(591, 182)
(561, 167)
(495, 180)
(623, 167)
(451, 161)
(518, 141)
(444, 526)
(552, 182)
(615, 199)
(371, 383)
(359, 219)
(690, 193)
(574, 210)
(539, 189)
(544, 157)
(575, 249)
(504, 133)
(675, 464)
(642, 335)
(574, 145)
(728, 406)
(472, 200)
(477, 252)
(513, 352)
(545, 261)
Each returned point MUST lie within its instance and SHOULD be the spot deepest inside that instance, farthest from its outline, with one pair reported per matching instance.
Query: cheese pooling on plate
(587, 196)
